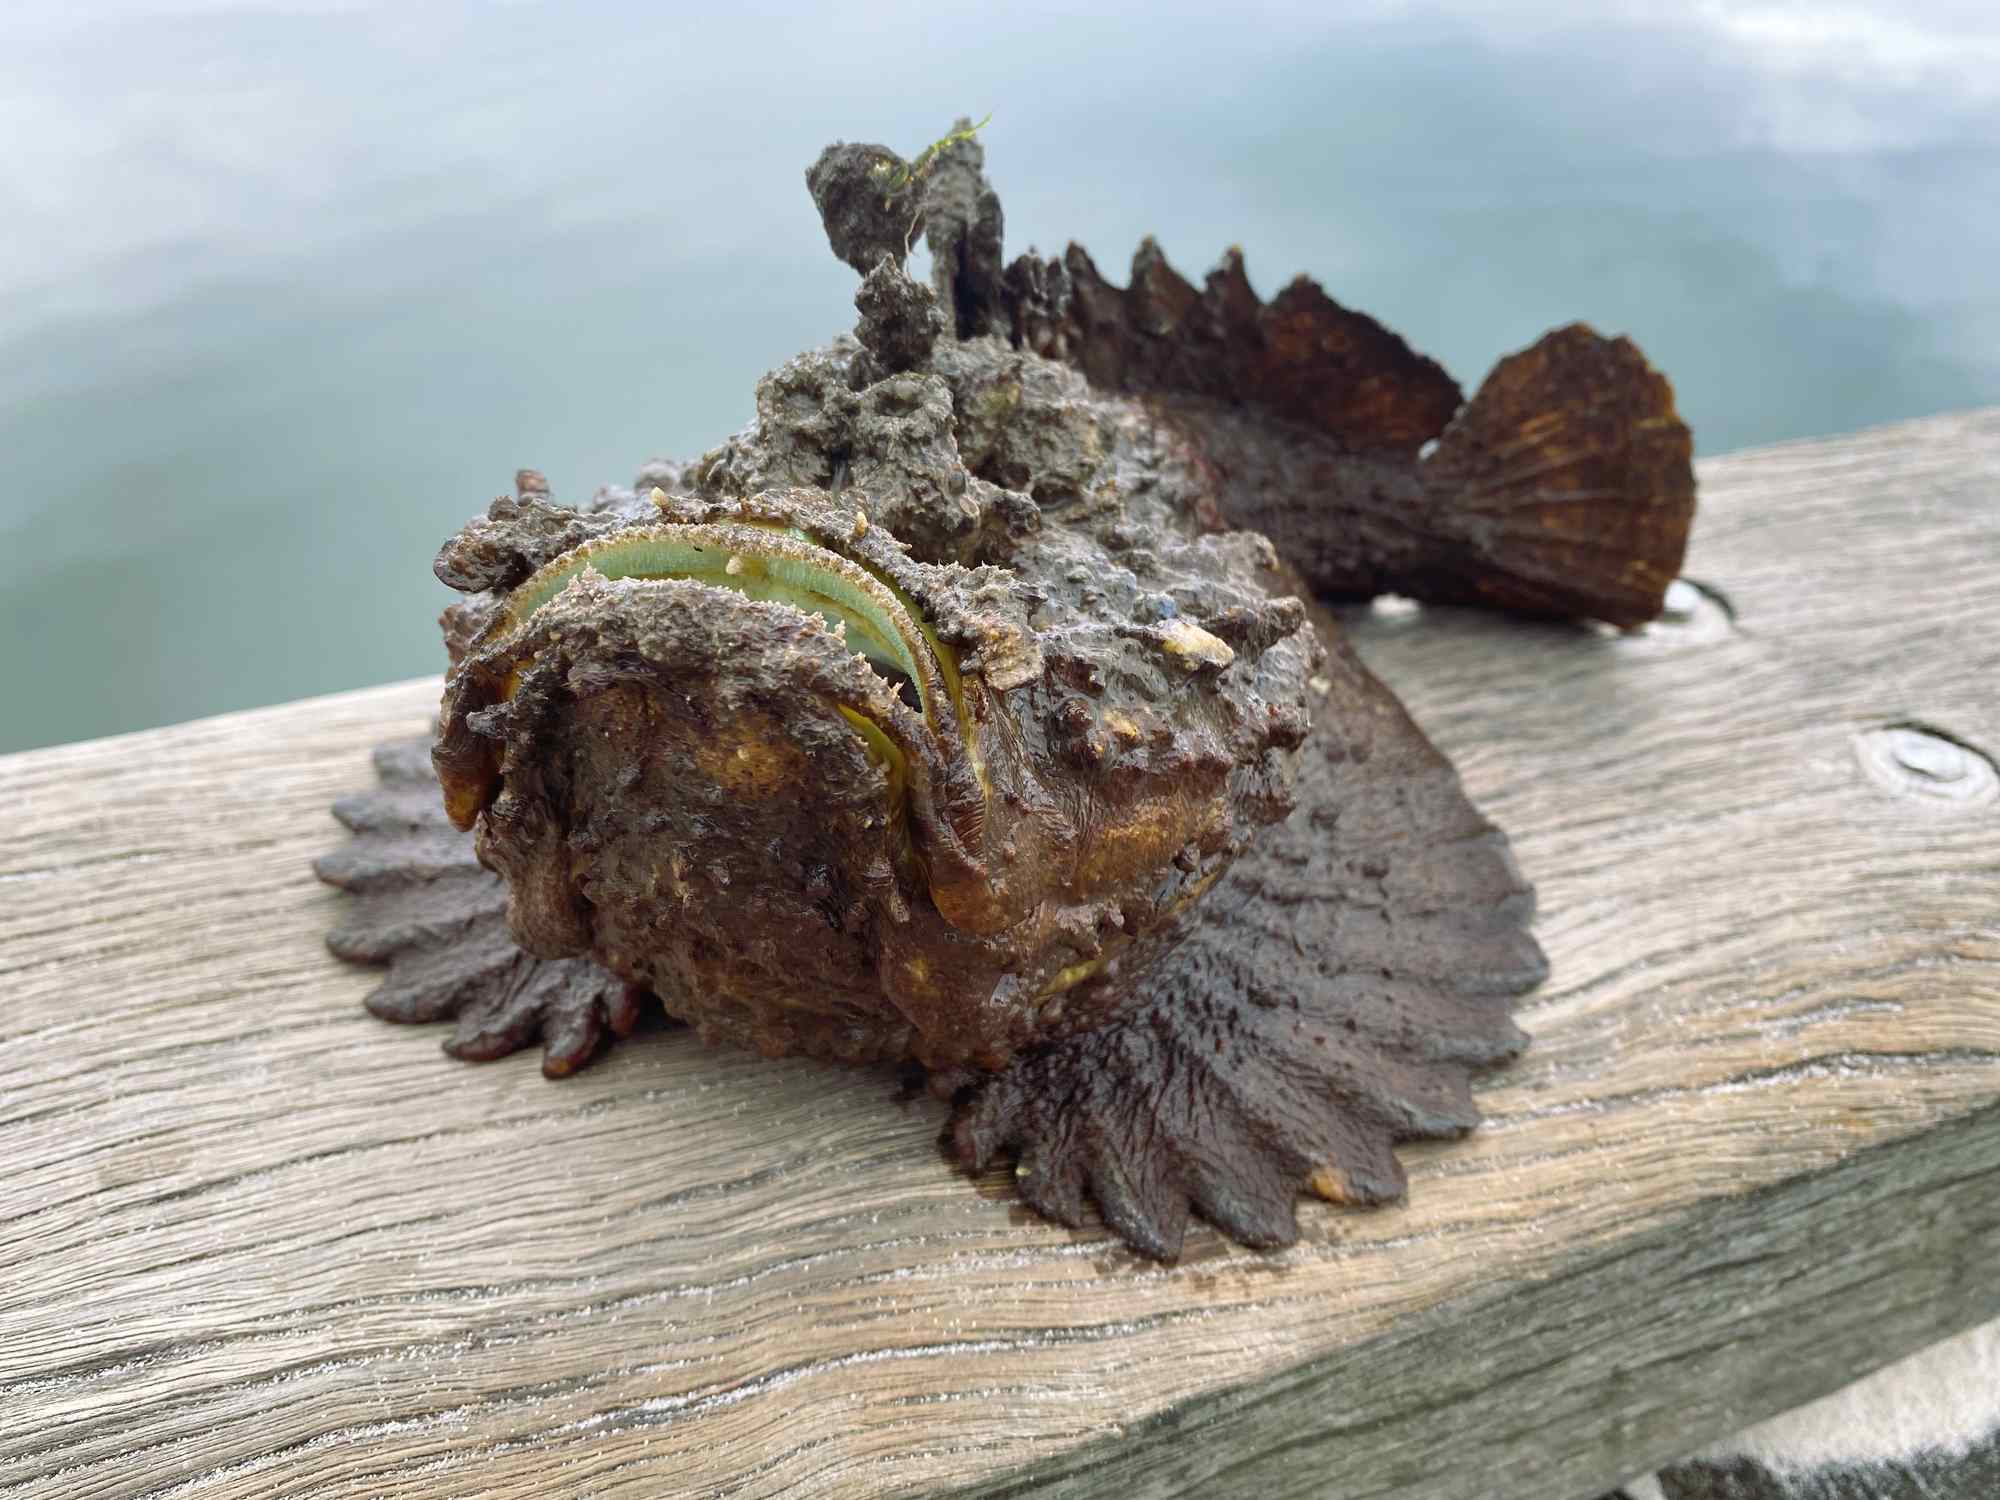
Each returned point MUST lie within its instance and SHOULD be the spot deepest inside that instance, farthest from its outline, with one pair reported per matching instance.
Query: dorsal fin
(1301, 357)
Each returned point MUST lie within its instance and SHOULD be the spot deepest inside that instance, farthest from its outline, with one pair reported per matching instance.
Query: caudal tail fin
(1569, 482)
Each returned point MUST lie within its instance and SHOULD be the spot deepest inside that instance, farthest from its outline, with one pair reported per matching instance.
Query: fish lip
(765, 559)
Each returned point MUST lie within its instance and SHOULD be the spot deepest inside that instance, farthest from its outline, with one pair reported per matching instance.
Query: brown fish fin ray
(1568, 481)
(1300, 358)
(1565, 487)
(1261, 1065)
(425, 908)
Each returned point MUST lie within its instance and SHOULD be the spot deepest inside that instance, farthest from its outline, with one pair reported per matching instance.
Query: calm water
(289, 288)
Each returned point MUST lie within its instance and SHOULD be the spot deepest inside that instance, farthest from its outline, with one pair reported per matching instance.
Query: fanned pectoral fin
(423, 906)
(1335, 999)
(1219, 1100)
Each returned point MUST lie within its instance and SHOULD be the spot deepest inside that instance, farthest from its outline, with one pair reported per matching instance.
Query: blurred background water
(289, 288)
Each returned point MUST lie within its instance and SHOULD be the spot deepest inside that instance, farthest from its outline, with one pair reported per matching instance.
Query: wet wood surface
(254, 1242)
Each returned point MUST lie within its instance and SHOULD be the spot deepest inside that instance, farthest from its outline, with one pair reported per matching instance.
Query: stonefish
(971, 709)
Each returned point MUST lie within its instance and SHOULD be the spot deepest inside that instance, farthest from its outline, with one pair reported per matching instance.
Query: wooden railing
(254, 1242)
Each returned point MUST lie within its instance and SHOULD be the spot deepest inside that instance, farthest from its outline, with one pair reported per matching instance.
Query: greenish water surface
(289, 289)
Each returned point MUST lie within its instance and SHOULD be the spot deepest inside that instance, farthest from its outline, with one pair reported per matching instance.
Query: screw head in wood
(1929, 765)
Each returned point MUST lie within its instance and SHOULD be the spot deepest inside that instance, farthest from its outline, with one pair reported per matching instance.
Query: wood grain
(257, 1243)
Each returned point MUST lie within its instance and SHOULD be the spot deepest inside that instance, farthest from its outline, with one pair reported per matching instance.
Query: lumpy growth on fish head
(824, 796)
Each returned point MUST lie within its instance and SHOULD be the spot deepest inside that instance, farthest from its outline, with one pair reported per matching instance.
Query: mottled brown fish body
(961, 711)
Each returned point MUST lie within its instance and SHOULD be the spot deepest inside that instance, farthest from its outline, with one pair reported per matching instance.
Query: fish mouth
(917, 725)
(775, 563)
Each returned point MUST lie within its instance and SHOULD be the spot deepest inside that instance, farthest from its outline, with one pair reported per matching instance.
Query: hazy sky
(143, 129)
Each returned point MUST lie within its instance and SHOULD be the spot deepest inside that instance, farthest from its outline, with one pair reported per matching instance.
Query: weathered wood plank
(255, 1242)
